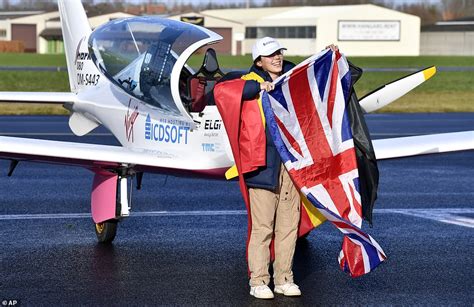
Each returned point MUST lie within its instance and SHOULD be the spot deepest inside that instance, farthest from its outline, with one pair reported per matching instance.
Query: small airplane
(131, 76)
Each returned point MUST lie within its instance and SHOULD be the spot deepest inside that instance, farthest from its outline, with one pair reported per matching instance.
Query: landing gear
(106, 231)
(110, 202)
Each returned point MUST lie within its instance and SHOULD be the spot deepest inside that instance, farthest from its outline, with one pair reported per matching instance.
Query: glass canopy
(141, 54)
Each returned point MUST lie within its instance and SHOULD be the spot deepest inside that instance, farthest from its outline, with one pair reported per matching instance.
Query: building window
(3, 33)
(281, 32)
(251, 32)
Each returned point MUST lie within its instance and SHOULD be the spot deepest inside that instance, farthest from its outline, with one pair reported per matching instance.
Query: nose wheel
(106, 231)
(109, 203)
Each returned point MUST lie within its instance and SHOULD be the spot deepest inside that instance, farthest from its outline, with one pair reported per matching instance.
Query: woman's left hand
(333, 47)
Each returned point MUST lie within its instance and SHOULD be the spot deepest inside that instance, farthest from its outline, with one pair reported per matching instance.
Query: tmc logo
(167, 133)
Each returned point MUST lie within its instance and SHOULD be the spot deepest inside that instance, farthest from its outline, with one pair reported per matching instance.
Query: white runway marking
(444, 215)
(132, 214)
(445, 194)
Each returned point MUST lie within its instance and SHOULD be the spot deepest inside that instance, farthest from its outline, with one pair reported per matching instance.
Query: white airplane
(130, 75)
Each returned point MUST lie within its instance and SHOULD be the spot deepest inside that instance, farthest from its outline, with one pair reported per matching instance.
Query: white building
(232, 31)
(359, 30)
(453, 37)
(41, 33)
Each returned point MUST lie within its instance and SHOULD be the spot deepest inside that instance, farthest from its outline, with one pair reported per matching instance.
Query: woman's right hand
(267, 86)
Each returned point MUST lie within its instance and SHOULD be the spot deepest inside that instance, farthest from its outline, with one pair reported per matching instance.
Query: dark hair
(257, 59)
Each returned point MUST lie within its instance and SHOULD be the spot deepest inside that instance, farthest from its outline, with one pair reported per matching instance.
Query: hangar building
(41, 32)
(359, 30)
(453, 37)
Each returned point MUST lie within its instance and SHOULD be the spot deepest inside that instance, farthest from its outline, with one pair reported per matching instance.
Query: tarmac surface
(184, 243)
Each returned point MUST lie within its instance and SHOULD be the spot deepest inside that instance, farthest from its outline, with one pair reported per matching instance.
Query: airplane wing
(423, 144)
(390, 92)
(85, 155)
(38, 97)
(112, 157)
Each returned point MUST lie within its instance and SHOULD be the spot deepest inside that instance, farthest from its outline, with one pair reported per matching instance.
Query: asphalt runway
(184, 243)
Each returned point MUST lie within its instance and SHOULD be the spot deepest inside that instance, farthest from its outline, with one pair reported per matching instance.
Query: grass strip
(31, 108)
(447, 91)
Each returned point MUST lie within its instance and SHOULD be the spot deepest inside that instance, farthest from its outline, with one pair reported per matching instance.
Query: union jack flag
(306, 115)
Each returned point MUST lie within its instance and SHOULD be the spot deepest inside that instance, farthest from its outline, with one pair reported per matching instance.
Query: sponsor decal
(208, 147)
(130, 118)
(166, 131)
(211, 134)
(269, 42)
(212, 124)
(77, 50)
(84, 78)
(159, 154)
(211, 147)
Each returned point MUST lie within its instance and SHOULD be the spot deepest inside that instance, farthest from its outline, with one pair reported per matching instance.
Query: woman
(274, 200)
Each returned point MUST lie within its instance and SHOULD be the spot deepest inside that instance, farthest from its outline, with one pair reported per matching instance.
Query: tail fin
(76, 29)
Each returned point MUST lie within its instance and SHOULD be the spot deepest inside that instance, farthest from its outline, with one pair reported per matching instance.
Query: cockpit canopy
(142, 54)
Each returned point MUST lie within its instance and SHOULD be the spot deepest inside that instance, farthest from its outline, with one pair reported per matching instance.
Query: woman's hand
(267, 86)
(332, 47)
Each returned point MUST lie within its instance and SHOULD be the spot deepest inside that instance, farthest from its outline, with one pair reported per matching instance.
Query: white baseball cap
(265, 46)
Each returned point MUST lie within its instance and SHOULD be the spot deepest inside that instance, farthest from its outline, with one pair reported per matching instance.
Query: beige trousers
(273, 214)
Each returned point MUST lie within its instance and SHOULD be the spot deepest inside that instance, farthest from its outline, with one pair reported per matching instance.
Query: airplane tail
(76, 29)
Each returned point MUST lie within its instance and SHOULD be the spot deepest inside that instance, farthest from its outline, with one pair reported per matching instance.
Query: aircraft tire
(106, 231)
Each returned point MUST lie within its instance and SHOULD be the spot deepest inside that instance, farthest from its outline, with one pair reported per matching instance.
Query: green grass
(446, 92)
(33, 81)
(31, 108)
(32, 59)
(412, 61)
(243, 62)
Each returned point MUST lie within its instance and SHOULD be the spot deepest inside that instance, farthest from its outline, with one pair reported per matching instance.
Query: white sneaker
(288, 289)
(263, 292)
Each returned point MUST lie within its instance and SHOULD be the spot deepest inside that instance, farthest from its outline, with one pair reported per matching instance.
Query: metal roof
(52, 33)
(448, 28)
(295, 12)
(11, 15)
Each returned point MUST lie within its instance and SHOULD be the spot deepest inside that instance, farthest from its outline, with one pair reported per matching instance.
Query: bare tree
(6, 4)
(429, 14)
(321, 2)
(453, 9)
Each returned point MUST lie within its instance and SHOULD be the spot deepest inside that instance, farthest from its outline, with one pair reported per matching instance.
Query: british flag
(307, 117)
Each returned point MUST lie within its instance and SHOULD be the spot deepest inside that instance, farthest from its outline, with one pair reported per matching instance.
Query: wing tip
(429, 72)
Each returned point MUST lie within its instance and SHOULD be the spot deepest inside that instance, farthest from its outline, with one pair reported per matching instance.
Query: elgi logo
(212, 124)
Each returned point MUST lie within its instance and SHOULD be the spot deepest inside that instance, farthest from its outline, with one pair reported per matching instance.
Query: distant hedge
(12, 46)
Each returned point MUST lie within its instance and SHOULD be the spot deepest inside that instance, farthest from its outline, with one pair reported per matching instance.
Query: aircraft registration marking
(88, 79)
